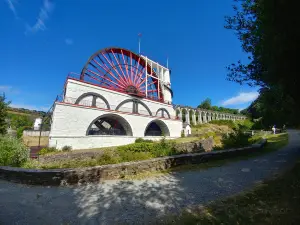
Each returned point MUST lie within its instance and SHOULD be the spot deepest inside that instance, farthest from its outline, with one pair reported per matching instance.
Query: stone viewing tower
(118, 97)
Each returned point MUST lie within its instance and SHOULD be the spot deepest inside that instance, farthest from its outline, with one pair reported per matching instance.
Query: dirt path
(137, 202)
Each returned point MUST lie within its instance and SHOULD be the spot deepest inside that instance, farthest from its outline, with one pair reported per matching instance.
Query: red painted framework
(112, 78)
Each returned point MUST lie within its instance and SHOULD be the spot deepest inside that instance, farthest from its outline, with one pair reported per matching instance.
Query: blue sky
(42, 41)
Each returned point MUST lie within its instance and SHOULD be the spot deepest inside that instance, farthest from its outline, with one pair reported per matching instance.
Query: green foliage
(258, 125)
(182, 134)
(47, 150)
(3, 114)
(156, 149)
(66, 148)
(127, 156)
(272, 64)
(236, 125)
(244, 124)
(20, 131)
(140, 140)
(12, 151)
(228, 123)
(27, 111)
(17, 121)
(206, 104)
(235, 139)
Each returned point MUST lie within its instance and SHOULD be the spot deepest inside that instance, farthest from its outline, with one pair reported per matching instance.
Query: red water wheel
(123, 71)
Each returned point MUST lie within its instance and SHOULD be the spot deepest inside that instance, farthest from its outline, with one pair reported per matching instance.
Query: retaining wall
(115, 171)
(36, 133)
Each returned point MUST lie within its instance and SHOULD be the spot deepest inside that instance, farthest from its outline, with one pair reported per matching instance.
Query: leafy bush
(47, 150)
(12, 151)
(20, 131)
(182, 134)
(162, 148)
(66, 148)
(258, 125)
(244, 124)
(140, 140)
(235, 139)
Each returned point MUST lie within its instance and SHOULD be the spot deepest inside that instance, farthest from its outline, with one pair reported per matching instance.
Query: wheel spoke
(121, 70)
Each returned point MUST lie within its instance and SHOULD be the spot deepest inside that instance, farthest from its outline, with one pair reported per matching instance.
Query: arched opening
(162, 112)
(197, 116)
(208, 117)
(191, 113)
(157, 128)
(134, 108)
(184, 112)
(203, 115)
(178, 114)
(109, 124)
(93, 99)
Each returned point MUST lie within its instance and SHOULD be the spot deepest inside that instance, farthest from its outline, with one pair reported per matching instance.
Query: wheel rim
(123, 71)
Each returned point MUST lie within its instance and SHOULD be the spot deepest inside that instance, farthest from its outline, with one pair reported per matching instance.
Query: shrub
(20, 131)
(66, 148)
(244, 125)
(12, 151)
(47, 150)
(258, 125)
(235, 139)
(182, 134)
(140, 140)
(156, 149)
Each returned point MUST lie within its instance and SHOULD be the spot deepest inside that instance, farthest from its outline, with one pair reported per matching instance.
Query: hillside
(27, 112)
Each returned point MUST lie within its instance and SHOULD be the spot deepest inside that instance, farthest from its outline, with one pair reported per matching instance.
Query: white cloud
(44, 13)
(69, 41)
(31, 107)
(241, 98)
(11, 5)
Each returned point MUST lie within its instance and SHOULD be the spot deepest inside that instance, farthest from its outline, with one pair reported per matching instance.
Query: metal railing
(102, 105)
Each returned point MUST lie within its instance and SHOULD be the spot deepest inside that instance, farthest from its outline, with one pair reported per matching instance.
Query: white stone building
(118, 97)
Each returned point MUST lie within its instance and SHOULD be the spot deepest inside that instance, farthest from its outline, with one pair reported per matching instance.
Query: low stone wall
(116, 171)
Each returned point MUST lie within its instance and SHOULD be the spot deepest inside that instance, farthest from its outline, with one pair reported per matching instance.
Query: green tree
(267, 31)
(3, 114)
(215, 108)
(18, 121)
(206, 104)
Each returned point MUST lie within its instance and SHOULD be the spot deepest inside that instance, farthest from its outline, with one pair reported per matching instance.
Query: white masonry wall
(70, 124)
(75, 89)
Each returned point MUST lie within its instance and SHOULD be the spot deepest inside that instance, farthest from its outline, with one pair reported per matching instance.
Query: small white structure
(37, 124)
(186, 129)
(119, 96)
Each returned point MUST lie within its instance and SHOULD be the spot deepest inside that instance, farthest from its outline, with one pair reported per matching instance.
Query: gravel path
(137, 202)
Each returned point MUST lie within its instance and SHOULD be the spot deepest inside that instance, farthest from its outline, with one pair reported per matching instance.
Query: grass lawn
(273, 202)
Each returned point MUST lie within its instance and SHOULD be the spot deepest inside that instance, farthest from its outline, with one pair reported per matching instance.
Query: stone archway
(157, 128)
(109, 124)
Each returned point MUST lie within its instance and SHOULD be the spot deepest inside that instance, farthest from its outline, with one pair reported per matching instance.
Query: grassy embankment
(135, 152)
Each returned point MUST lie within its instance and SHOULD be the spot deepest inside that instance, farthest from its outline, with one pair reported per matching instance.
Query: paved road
(137, 202)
